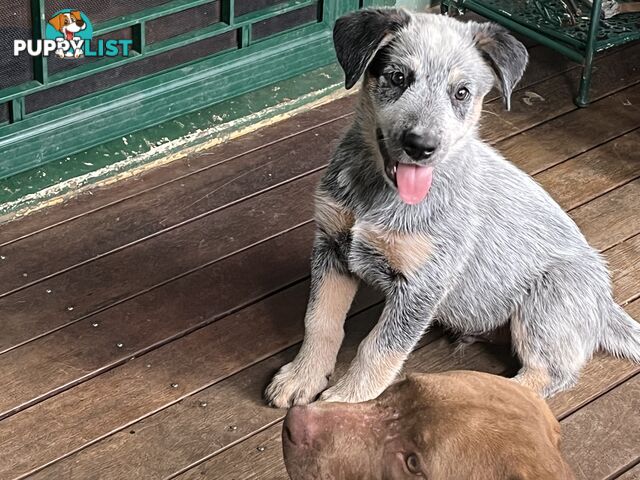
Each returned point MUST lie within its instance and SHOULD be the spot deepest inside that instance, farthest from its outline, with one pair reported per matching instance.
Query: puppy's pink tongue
(413, 182)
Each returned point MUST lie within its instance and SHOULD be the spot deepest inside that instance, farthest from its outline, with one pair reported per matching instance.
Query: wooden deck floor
(140, 323)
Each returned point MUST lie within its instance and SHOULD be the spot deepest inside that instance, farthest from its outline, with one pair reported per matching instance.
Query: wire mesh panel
(130, 71)
(179, 23)
(243, 7)
(165, 24)
(100, 10)
(57, 65)
(4, 112)
(286, 21)
(163, 29)
(15, 22)
(171, 45)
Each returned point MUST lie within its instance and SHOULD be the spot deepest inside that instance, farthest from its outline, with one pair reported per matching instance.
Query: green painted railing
(63, 111)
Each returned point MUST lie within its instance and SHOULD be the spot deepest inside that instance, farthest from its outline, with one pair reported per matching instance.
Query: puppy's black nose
(419, 147)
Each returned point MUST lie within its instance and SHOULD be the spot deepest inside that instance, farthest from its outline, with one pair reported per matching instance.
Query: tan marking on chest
(405, 252)
(332, 217)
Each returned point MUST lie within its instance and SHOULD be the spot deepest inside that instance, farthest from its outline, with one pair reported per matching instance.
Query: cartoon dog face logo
(69, 24)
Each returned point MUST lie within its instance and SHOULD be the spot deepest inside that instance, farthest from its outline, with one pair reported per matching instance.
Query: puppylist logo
(69, 34)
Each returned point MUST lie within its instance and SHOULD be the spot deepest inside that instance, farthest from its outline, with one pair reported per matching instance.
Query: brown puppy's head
(462, 425)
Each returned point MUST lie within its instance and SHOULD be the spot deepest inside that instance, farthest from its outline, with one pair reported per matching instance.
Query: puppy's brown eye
(462, 94)
(397, 78)
(413, 464)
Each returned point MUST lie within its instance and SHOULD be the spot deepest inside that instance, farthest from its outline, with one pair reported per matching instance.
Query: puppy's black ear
(359, 35)
(507, 56)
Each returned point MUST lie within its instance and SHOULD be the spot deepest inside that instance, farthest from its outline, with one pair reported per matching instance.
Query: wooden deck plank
(623, 262)
(605, 119)
(603, 437)
(258, 456)
(615, 210)
(247, 461)
(99, 198)
(167, 312)
(240, 405)
(154, 216)
(545, 63)
(111, 279)
(28, 314)
(102, 235)
(620, 262)
(63, 367)
(145, 384)
(554, 99)
(89, 413)
(603, 169)
(632, 474)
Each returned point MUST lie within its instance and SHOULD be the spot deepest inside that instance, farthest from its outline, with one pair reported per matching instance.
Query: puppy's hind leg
(551, 334)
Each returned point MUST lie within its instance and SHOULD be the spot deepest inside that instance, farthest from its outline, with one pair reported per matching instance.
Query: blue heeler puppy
(416, 204)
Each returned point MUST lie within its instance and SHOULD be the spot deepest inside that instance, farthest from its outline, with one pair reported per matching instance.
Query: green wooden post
(39, 26)
(227, 10)
(16, 112)
(245, 36)
(139, 37)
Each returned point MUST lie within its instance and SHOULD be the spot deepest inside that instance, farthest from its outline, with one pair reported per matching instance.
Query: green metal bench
(546, 22)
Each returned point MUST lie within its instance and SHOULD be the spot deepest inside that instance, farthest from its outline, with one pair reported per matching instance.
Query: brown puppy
(449, 426)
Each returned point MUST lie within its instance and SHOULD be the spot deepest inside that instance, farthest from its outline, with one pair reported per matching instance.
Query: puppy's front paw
(340, 394)
(294, 385)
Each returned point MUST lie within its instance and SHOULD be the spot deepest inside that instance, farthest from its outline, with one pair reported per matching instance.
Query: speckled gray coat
(486, 247)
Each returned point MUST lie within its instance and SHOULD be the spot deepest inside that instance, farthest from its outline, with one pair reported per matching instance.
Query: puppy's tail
(621, 336)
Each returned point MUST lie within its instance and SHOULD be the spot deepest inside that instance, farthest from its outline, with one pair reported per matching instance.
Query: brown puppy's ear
(57, 22)
(76, 15)
(565, 472)
(359, 35)
(559, 469)
(548, 464)
(507, 56)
